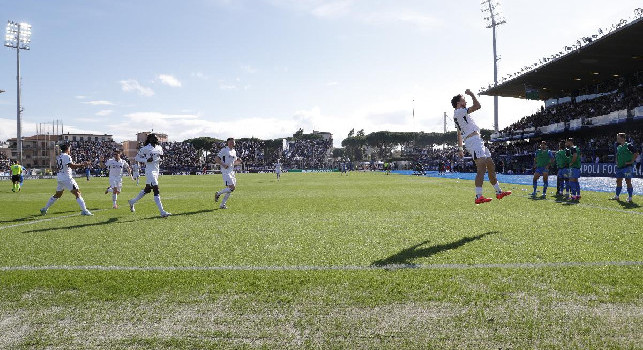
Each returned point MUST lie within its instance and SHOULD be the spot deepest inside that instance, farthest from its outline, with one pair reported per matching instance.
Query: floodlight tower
(18, 37)
(491, 9)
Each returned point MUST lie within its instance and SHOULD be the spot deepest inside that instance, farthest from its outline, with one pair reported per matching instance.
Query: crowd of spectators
(589, 108)
(4, 162)
(518, 157)
(308, 154)
(180, 157)
(94, 152)
(256, 156)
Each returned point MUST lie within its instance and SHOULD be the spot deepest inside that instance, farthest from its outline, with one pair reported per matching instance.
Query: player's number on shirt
(60, 164)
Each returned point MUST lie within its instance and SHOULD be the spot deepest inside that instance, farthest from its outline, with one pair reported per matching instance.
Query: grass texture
(319, 261)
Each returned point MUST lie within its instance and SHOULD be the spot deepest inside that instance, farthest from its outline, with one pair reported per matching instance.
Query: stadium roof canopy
(619, 53)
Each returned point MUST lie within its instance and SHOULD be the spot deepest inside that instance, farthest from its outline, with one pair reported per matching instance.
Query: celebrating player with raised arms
(227, 159)
(469, 133)
(151, 155)
(116, 166)
(66, 180)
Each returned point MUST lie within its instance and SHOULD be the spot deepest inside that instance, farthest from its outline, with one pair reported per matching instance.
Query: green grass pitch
(318, 261)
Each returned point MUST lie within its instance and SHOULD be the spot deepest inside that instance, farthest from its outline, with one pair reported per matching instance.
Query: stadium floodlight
(18, 37)
(491, 9)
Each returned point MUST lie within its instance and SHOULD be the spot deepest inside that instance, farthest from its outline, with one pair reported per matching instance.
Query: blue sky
(265, 68)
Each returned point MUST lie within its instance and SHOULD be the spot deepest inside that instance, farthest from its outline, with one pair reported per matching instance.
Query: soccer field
(319, 261)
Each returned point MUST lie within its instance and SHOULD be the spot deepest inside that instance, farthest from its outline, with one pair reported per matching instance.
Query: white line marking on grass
(323, 268)
(43, 220)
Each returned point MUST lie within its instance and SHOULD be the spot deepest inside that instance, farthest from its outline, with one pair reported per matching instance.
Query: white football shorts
(116, 182)
(68, 184)
(476, 147)
(152, 179)
(229, 179)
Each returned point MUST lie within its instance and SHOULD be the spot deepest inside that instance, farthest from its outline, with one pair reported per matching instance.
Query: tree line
(354, 145)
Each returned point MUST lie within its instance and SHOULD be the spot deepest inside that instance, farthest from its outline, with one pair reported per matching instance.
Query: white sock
(114, 197)
(139, 196)
(157, 199)
(497, 187)
(50, 202)
(225, 198)
(81, 202)
(478, 192)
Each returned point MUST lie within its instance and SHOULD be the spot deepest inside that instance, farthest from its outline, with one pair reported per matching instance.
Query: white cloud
(104, 112)
(249, 69)
(99, 103)
(223, 85)
(199, 75)
(318, 8)
(184, 126)
(332, 9)
(131, 85)
(80, 97)
(421, 20)
(169, 80)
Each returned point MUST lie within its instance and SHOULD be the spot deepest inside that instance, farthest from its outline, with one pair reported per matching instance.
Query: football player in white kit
(136, 172)
(470, 133)
(66, 181)
(151, 155)
(227, 159)
(278, 169)
(116, 166)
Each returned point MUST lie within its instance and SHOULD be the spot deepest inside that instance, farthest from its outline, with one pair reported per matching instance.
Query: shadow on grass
(627, 205)
(181, 214)
(106, 222)
(35, 216)
(406, 256)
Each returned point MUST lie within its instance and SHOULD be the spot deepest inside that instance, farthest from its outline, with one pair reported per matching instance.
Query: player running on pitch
(66, 181)
(116, 166)
(542, 160)
(469, 133)
(278, 169)
(136, 172)
(227, 159)
(626, 154)
(150, 154)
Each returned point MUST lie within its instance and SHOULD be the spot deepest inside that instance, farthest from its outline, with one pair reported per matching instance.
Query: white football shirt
(147, 152)
(116, 167)
(228, 157)
(64, 171)
(464, 122)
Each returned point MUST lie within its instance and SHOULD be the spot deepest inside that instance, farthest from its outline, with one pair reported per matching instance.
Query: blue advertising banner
(604, 169)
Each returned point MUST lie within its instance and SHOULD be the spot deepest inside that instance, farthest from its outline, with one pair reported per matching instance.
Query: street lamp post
(494, 19)
(18, 37)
